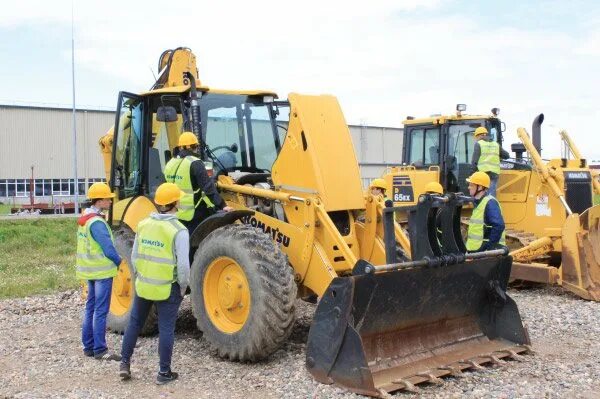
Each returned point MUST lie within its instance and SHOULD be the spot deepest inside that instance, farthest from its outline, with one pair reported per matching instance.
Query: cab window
(424, 146)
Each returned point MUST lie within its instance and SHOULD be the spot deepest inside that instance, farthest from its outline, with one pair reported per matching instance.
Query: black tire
(118, 323)
(272, 291)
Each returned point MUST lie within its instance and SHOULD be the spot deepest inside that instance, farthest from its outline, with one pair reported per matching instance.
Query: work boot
(124, 371)
(165, 378)
(107, 356)
(88, 353)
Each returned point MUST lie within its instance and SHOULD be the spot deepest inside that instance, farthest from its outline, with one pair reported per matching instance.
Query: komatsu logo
(274, 232)
(577, 175)
(174, 177)
(153, 243)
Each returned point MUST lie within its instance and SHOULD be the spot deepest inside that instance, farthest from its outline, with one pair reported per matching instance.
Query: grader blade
(381, 331)
(581, 254)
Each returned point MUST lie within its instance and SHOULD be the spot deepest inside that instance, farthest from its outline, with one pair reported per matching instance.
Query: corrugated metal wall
(43, 137)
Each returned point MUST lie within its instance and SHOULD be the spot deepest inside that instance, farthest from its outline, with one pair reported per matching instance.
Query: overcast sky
(382, 59)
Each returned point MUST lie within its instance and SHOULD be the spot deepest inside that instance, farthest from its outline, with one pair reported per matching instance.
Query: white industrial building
(37, 145)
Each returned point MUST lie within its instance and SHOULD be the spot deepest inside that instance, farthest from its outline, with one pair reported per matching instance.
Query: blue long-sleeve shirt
(102, 236)
(492, 217)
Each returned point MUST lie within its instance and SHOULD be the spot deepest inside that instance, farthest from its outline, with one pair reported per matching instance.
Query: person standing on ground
(486, 157)
(188, 172)
(97, 264)
(162, 268)
(486, 226)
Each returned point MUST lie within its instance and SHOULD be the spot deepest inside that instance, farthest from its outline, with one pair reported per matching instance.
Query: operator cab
(446, 143)
(242, 132)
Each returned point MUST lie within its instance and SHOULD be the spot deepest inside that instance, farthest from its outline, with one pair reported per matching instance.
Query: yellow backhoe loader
(289, 169)
(552, 225)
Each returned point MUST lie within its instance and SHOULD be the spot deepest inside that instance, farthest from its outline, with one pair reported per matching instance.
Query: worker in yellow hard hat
(97, 263)
(434, 188)
(486, 226)
(378, 187)
(188, 172)
(486, 156)
(160, 259)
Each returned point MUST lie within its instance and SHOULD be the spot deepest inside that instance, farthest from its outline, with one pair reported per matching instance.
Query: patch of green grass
(596, 199)
(37, 256)
(5, 209)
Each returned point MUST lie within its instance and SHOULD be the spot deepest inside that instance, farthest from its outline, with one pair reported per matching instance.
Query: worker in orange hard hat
(486, 156)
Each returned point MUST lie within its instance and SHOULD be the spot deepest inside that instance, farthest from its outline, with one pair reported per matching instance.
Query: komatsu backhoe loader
(289, 169)
(552, 225)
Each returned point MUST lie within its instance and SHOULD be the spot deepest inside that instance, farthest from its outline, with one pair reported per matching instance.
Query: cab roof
(205, 89)
(441, 119)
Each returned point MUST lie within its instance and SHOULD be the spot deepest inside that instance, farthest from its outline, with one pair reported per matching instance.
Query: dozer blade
(385, 331)
(581, 254)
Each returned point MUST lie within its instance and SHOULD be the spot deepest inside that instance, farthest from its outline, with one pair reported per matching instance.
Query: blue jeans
(93, 330)
(167, 316)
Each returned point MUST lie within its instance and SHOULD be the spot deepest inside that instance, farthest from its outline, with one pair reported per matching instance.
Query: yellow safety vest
(155, 260)
(489, 159)
(91, 262)
(477, 226)
(177, 171)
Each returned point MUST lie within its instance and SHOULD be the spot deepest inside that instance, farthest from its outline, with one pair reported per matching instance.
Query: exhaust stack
(536, 132)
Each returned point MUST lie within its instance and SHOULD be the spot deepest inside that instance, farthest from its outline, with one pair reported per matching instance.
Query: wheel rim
(226, 295)
(122, 290)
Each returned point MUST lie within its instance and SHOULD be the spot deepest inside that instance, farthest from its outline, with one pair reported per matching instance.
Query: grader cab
(289, 170)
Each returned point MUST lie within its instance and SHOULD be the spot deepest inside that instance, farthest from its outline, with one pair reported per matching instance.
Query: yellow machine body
(305, 196)
(545, 234)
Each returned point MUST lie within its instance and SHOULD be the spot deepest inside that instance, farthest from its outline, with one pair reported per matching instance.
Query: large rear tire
(123, 290)
(243, 293)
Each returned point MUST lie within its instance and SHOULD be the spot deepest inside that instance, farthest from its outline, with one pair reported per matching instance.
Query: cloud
(383, 59)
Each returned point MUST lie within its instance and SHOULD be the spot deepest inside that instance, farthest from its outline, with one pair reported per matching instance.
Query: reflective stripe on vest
(155, 260)
(489, 159)
(91, 263)
(477, 226)
(177, 171)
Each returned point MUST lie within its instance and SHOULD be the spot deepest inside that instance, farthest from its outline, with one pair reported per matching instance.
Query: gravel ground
(40, 357)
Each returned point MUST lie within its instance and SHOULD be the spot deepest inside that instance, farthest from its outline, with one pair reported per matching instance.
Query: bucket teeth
(494, 360)
(513, 355)
(406, 385)
(431, 378)
(474, 364)
(455, 371)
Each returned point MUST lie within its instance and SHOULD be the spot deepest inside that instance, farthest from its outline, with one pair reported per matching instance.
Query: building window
(22, 188)
(3, 188)
(10, 188)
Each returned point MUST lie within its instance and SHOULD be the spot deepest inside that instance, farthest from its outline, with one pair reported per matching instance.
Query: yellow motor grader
(552, 225)
(289, 169)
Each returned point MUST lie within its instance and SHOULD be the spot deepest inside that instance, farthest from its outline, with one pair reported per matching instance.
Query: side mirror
(166, 114)
(502, 127)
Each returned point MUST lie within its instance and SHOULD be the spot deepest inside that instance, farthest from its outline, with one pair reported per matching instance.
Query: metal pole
(76, 185)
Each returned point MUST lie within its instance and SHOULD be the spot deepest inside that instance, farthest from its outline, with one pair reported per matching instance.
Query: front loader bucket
(581, 254)
(385, 331)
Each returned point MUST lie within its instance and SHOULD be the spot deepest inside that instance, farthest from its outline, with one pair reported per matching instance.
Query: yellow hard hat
(167, 193)
(99, 191)
(378, 183)
(480, 178)
(434, 187)
(480, 131)
(187, 138)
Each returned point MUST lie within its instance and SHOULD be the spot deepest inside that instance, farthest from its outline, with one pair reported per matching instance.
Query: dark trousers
(167, 316)
(93, 329)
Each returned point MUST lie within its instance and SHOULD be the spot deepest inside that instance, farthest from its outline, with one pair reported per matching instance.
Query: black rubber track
(272, 289)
